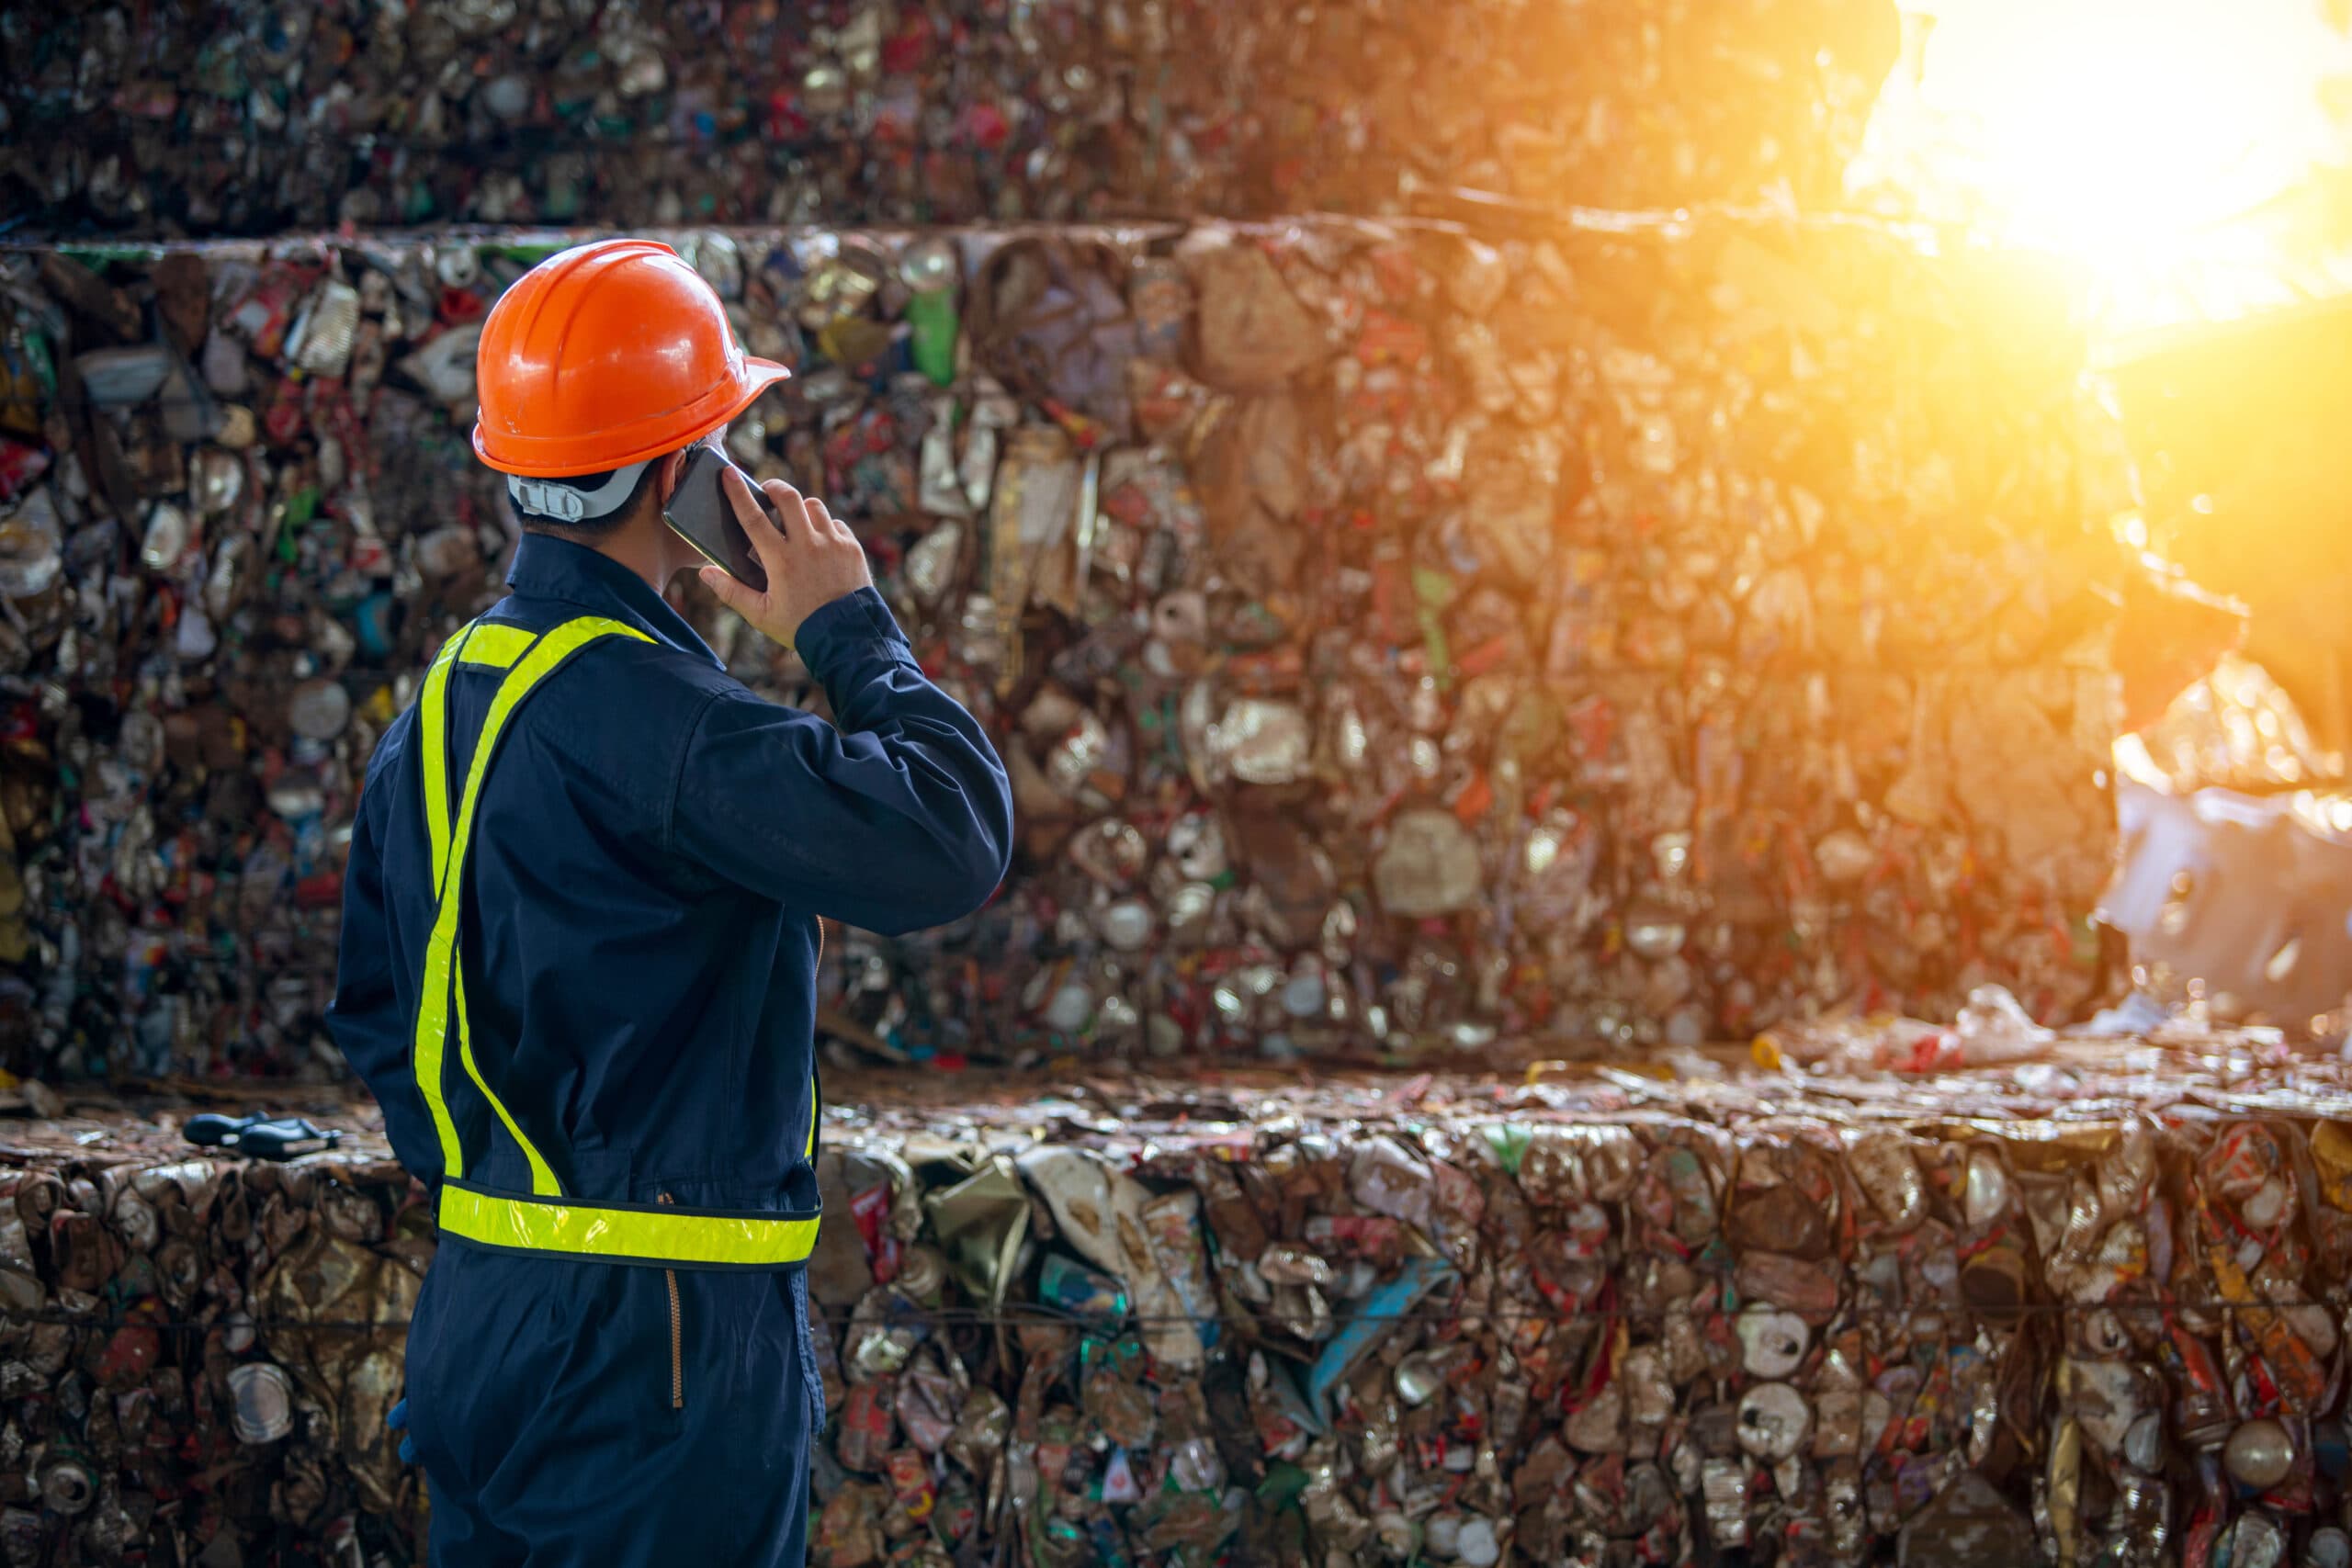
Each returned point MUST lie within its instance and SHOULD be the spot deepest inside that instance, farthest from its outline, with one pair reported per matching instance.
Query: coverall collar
(550, 567)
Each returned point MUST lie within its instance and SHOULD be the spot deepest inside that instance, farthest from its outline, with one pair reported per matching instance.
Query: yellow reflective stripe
(648, 1235)
(433, 726)
(496, 644)
(543, 1179)
(432, 1008)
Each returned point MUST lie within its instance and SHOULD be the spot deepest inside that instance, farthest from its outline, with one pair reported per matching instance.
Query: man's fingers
(825, 525)
(758, 527)
(788, 505)
(747, 511)
(731, 593)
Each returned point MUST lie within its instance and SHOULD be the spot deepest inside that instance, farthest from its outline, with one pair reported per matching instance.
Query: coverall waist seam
(619, 1260)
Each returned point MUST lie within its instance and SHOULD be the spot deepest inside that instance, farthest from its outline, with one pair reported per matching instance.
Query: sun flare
(2131, 136)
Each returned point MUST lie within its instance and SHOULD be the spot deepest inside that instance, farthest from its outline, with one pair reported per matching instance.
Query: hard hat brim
(557, 457)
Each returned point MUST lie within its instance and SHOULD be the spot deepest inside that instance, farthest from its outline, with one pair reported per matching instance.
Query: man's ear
(673, 467)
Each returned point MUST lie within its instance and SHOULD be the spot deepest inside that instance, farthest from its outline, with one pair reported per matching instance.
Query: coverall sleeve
(366, 1018)
(894, 816)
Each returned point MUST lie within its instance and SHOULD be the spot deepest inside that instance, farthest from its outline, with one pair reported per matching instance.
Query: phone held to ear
(700, 513)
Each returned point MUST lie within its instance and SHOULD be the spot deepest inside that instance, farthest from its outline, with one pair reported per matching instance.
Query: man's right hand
(811, 561)
(396, 1421)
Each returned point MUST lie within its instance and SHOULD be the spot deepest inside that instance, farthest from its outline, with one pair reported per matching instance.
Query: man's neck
(652, 553)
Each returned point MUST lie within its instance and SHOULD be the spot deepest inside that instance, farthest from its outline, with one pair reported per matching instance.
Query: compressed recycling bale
(1402, 644)
(2048, 1309)
(197, 1355)
(1975, 1334)
(165, 120)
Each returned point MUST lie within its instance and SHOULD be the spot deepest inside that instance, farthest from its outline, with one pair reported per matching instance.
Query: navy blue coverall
(628, 1007)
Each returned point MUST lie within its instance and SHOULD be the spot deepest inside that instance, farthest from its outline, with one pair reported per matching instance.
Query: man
(580, 942)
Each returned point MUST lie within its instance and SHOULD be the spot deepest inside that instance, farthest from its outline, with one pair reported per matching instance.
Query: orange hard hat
(604, 355)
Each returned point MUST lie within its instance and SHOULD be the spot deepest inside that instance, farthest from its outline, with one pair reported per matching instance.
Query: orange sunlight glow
(2129, 136)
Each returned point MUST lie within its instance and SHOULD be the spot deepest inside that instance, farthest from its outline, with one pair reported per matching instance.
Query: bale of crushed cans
(2085, 1309)
(197, 1352)
(212, 120)
(1403, 637)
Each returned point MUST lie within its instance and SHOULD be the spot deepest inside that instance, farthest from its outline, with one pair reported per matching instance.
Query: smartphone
(700, 513)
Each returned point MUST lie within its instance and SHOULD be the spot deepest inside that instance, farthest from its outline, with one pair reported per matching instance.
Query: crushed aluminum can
(1773, 1343)
(264, 1402)
(1263, 742)
(2257, 1542)
(1081, 1291)
(1967, 1522)
(31, 551)
(167, 537)
(321, 340)
(2260, 1454)
(1429, 866)
(1889, 1177)
(1724, 1486)
(1774, 1421)
(66, 1481)
(318, 709)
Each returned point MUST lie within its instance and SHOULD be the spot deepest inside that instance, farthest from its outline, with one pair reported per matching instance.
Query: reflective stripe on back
(545, 654)
(637, 1235)
(543, 1178)
(496, 644)
(433, 734)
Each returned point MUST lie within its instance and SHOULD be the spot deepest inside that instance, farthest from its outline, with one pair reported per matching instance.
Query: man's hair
(587, 528)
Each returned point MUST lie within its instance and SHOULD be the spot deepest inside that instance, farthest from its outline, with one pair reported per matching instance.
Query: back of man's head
(583, 506)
